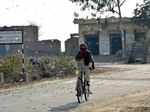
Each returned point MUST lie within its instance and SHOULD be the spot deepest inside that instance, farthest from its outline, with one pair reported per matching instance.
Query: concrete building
(44, 48)
(72, 45)
(32, 46)
(106, 41)
(30, 35)
(30, 32)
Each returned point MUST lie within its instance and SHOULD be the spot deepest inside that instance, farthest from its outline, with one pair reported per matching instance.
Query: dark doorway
(92, 41)
(115, 42)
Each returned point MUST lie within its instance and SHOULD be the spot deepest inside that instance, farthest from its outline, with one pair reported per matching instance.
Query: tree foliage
(101, 5)
(142, 13)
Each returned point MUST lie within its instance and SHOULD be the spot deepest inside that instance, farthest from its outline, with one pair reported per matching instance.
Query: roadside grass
(12, 86)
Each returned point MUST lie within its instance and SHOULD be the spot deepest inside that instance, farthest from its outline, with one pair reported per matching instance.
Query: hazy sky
(55, 17)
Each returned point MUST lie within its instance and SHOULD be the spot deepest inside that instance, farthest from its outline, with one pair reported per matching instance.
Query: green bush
(65, 62)
(62, 63)
(11, 67)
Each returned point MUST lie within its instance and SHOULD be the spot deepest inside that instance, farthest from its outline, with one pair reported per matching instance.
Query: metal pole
(23, 65)
(2, 78)
(23, 60)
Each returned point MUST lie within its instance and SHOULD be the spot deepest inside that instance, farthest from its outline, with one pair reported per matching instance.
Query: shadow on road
(64, 108)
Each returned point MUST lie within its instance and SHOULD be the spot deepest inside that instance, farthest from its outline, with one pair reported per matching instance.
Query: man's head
(83, 47)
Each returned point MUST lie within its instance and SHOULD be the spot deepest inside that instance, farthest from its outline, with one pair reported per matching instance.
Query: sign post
(2, 78)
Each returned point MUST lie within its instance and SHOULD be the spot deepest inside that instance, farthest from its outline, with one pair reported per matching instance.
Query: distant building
(32, 46)
(30, 32)
(72, 45)
(105, 40)
(30, 35)
(44, 48)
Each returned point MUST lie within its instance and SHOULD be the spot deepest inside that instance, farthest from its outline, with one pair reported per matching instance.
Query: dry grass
(14, 85)
(138, 102)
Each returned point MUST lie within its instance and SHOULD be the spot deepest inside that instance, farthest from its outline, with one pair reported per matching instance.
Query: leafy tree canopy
(101, 6)
(142, 13)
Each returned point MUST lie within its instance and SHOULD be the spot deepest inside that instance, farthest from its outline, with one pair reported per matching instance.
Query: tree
(142, 13)
(101, 6)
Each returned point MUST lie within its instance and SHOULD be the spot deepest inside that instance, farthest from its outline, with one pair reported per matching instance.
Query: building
(72, 45)
(107, 39)
(32, 46)
(30, 32)
(44, 48)
(29, 35)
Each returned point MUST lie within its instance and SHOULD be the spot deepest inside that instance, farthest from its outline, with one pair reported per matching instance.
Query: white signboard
(11, 37)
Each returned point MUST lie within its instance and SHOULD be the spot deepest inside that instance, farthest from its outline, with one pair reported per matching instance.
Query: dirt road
(59, 95)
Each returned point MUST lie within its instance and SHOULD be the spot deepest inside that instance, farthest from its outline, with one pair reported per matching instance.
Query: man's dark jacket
(87, 58)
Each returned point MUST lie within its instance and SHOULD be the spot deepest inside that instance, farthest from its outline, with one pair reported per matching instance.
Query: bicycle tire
(79, 98)
(79, 91)
(86, 91)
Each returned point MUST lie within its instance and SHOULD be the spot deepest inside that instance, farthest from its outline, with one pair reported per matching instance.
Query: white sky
(55, 17)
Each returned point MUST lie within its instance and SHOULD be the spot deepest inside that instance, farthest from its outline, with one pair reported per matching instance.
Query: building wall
(72, 45)
(104, 41)
(43, 48)
(105, 28)
(130, 38)
(32, 46)
(30, 35)
(30, 32)
(148, 44)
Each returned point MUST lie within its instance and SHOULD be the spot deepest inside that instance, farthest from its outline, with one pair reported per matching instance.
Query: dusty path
(59, 95)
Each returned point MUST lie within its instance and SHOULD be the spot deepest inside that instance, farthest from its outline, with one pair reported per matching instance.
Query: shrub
(11, 67)
(58, 66)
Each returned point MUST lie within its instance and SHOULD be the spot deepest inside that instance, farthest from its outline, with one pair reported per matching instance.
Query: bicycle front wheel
(86, 91)
(79, 96)
(79, 91)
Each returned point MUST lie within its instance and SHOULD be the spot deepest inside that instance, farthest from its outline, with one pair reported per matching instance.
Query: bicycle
(82, 88)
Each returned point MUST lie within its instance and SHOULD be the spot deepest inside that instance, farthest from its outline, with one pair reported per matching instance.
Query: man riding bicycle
(85, 62)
